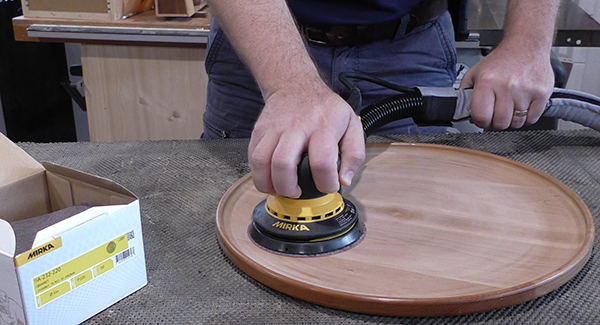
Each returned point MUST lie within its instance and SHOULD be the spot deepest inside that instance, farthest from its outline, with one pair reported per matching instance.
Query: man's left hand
(511, 87)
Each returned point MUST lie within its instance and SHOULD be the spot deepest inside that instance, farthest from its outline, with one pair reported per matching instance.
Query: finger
(467, 80)
(323, 155)
(520, 112)
(519, 118)
(504, 108)
(536, 110)
(482, 106)
(284, 164)
(260, 152)
(352, 148)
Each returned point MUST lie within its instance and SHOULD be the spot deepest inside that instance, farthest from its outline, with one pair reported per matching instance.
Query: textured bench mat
(190, 281)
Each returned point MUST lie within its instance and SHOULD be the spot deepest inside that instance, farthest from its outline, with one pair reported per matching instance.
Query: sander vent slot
(323, 208)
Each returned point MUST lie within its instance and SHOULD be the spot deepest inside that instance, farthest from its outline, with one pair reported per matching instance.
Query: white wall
(585, 71)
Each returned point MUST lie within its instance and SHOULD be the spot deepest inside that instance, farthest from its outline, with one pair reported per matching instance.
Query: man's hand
(301, 113)
(309, 119)
(510, 87)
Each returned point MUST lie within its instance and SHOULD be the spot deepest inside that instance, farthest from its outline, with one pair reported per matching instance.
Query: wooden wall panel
(144, 92)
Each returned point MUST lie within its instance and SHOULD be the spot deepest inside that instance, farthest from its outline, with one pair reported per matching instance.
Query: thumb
(352, 148)
(468, 79)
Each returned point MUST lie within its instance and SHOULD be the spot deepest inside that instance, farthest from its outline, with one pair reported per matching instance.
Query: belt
(356, 35)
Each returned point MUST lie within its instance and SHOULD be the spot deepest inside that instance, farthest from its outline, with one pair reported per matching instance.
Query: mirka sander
(315, 223)
(319, 223)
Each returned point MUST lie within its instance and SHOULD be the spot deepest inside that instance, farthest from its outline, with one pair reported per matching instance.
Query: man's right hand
(301, 113)
(298, 119)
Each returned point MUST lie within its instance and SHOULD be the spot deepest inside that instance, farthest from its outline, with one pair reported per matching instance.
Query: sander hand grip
(306, 181)
(441, 104)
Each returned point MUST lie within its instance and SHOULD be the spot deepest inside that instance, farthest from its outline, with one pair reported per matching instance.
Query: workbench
(144, 76)
(574, 27)
(191, 281)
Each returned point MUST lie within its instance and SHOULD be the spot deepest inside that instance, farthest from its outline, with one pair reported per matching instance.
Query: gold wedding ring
(521, 113)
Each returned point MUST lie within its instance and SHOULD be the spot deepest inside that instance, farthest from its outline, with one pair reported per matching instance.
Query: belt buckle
(306, 32)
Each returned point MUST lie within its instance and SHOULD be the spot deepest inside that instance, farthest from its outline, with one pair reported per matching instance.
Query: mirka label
(37, 252)
(80, 270)
(289, 226)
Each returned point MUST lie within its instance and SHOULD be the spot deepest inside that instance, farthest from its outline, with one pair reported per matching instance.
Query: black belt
(356, 35)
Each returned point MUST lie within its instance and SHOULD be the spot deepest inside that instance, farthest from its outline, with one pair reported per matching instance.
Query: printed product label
(37, 252)
(82, 269)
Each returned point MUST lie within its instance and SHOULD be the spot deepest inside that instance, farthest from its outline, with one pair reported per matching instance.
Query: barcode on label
(125, 254)
(130, 235)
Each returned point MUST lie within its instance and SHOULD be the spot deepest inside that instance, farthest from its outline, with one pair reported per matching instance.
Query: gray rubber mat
(190, 280)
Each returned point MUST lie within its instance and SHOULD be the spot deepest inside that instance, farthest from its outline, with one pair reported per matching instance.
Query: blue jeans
(424, 57)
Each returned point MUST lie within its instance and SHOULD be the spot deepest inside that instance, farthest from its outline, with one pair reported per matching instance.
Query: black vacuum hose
(390, 109)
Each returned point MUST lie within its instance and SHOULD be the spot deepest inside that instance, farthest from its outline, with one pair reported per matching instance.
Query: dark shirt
(349, 12)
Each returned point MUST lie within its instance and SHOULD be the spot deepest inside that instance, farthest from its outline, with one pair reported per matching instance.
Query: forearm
(266, 38)
(530, 24)
(301, 113)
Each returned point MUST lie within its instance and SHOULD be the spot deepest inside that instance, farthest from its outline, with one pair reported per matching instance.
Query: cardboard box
(84, 9)
(74, 268)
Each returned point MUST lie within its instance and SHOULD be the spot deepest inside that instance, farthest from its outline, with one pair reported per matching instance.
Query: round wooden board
(449, 231)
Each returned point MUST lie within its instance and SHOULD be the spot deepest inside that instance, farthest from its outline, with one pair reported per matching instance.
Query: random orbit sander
(317, 224)
(314, 224)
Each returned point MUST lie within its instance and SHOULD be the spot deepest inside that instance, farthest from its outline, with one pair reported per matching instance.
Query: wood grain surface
(449, 231)
(74, 9)
(144, 92)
